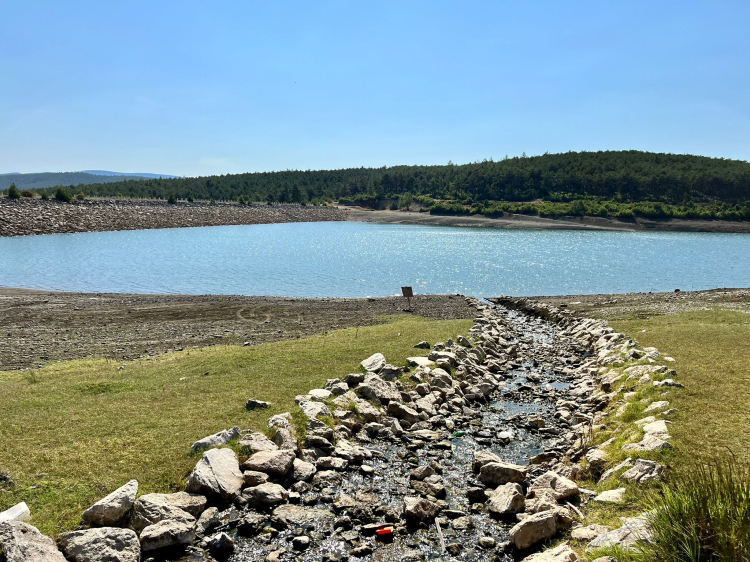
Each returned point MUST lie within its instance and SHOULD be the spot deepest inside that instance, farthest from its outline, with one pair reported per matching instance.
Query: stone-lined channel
(516, 421)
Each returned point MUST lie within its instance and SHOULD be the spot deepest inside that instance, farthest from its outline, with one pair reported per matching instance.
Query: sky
(200, 88)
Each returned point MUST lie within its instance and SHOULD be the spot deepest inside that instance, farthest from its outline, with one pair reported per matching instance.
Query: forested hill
(622, 176)
(53, 179)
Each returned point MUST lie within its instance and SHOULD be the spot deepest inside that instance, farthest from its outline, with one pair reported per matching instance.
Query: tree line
(619, 177)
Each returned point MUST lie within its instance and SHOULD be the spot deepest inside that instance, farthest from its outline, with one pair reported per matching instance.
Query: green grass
(712, 349)
(74, 431)
(702, 512)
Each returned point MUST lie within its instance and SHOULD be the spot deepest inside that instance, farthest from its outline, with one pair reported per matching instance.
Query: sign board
(408, 293)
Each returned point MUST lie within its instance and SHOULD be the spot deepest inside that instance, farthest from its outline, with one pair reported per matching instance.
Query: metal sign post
(408, 293)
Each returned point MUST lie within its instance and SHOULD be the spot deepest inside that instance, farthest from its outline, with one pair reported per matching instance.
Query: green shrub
(62, 194)
(80, 196)
(190, 199)
(13, 192)
(27, 193)
(448, 209)
(44, 196)
(703, 514)
(172, 199)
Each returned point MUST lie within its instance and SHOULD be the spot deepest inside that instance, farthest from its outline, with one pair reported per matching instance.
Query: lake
(350, 259)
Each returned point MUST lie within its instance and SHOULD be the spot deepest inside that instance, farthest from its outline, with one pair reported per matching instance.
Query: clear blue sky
(198, 88)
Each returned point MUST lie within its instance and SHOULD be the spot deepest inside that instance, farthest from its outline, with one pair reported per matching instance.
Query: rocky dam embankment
(23, 217)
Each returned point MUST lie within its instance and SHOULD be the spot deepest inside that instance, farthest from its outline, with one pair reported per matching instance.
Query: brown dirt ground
(39, 326)
(642, 305)
(540, 223)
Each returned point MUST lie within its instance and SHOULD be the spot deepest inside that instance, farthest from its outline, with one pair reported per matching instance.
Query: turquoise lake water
(349, 259)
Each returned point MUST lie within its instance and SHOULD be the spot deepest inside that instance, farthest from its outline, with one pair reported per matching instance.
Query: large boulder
(507, 499)
(498, 473)
(103, 544)
(152, 508)
(258, 442)
(419, 509)
(109, 510)
(648, 443)
(374, 363)
(643, 471)
(313, 409)
(403, 412)
(657, 429)
(633, 531)
(20, 542)
(482, 458)
(275, 463)
(554, 485)
(534, 528)
(561, 553)
(376, 389)
(285, 439)
(167, 534)
(19, 512)
(302, 470)
(265, 495)
(216, 440)
(217, 474)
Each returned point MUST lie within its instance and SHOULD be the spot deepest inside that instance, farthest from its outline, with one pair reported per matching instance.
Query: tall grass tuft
(703, 514)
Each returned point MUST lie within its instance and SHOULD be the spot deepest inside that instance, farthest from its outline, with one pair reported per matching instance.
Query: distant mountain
(106, 173)
(52, 179)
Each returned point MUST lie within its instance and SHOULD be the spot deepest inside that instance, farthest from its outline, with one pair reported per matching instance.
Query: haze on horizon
(191, 89)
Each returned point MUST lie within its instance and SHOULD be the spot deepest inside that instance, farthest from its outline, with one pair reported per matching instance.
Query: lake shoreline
(49, 326)
(25, 217)
(33, 217)
(514, 221)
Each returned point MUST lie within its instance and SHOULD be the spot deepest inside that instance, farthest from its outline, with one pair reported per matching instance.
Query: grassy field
(72, 432)
(712, 349)
(713, 420)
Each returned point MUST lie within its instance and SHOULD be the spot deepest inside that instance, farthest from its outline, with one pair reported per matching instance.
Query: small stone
(216, 440)
(109, 510)
(497, 473)
(420, 509)
(374, 363)
(255, 478)
(561, 553)
(611, 496)
(216, 474)
(656, 406)
(486, 543)
(102, 544)
(454, 548)
(276, 463)
(166, 534)
(633, 531)
(221, 545)
(301, 543)
(643, 471)
(258, 442)
(588, 533)
(254, 404)
(507, 499)
(265, 495)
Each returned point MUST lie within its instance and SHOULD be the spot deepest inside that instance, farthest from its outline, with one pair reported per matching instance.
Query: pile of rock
(20, 217)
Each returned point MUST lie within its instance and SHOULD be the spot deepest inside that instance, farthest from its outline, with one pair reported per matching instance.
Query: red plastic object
(386, 532)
